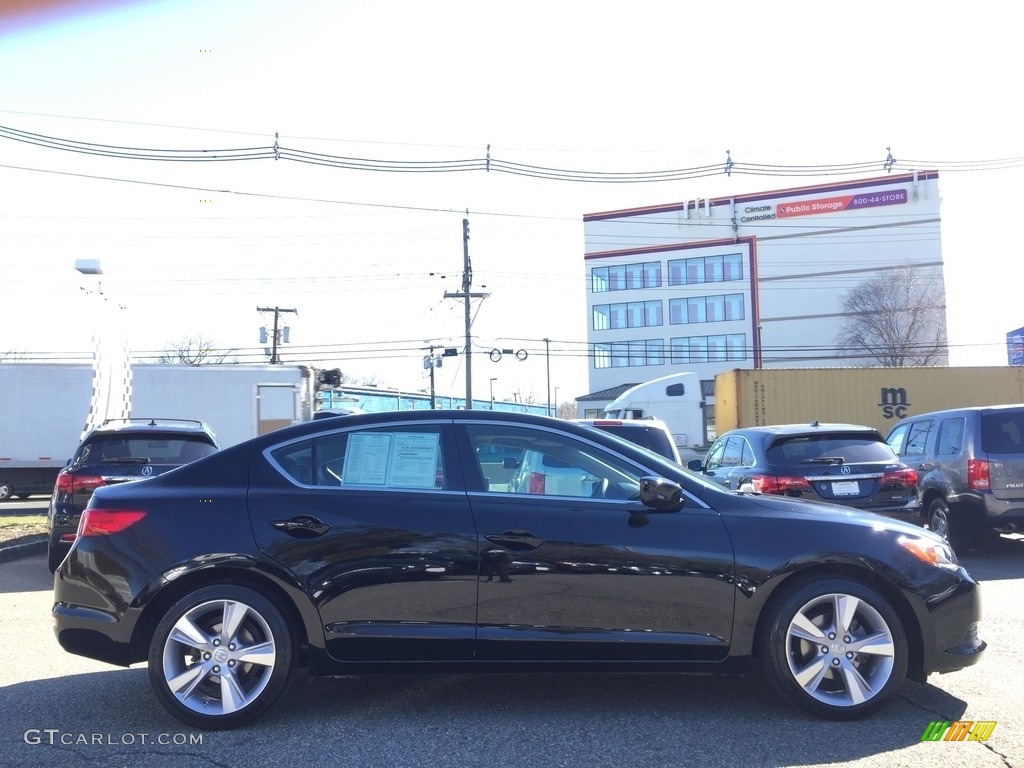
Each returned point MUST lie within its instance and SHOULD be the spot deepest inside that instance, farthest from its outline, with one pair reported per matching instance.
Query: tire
(835, 648)
(6, 491)
(953, 529)
(220, 657)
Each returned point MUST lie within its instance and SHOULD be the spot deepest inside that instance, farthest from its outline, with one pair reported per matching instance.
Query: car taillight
(536, 482)
(977, 475)
(71, 483)
(103, 522)
(900, 478)
(780, 485)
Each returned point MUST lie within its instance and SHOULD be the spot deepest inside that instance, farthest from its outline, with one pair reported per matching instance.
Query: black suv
(970, 465)
(118, 451)
(840, 463)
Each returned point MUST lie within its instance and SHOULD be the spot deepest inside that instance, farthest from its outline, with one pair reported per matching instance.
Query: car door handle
(303, 526)
(517, 541)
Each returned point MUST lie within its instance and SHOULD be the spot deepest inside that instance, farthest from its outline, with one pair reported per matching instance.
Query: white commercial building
(749, 281)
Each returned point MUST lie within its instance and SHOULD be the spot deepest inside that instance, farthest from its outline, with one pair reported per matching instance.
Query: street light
(111, 366)
(493, 379)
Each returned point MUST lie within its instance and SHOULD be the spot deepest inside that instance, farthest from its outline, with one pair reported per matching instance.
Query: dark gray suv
(970, 467)
(119, 451)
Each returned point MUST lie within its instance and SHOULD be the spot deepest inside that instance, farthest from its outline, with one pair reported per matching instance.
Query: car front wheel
(835, 648)
(220, 656)
(953, 529)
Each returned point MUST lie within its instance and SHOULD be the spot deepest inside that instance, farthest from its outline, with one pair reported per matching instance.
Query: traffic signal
(329, 378)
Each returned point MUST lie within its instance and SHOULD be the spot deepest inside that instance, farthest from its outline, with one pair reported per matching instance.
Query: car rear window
(811, 449)
(149, 448)
(1002, 432)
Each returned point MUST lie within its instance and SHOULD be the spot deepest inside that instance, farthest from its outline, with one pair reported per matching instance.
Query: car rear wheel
(220, 656)
(835, 648)
(6, 491)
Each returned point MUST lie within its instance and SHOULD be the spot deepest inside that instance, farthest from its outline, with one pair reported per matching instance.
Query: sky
(190, 249)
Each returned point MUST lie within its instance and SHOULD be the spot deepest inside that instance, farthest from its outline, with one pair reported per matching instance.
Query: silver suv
(652, 434)
(970, 469)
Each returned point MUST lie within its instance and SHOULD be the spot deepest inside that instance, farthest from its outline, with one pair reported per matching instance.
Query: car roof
(804, 429)
(604, 420)
(135, 425)
(964, 409)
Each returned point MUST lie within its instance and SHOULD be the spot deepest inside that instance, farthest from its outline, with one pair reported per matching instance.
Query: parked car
(119, 451)
(970, 466)
(843, 464)
(376, 543)
(652, 434)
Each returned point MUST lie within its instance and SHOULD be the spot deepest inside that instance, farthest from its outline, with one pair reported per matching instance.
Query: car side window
(540, 462)
(917, 438)
(406, 457)
(951, 437)
(747, 458)
(714, 459)
(733, 454)
(897, 438)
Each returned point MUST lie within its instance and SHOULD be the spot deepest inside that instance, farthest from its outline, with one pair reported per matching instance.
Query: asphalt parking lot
(63, 710)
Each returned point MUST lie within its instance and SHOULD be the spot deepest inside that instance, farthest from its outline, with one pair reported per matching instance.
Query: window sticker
(395, 459)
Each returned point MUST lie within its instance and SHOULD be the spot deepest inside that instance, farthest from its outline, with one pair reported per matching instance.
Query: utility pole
(278, 311)
(466, 295)
(547, 363)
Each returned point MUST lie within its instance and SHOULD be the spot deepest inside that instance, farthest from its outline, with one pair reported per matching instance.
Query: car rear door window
(951, 437)
(733, 454)
(409, 457)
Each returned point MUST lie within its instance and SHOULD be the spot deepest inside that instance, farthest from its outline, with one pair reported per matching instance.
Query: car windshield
(831, 448)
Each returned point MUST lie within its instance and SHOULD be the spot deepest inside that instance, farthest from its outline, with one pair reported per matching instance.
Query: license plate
(846, 488)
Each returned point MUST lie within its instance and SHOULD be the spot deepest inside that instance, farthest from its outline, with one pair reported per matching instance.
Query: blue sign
(1015, 347)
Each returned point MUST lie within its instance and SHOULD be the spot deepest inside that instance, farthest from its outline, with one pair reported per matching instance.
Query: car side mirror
(661, 494)
(510, 462)
(696, 465)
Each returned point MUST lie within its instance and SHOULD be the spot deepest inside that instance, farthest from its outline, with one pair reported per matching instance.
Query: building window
(623, 277)
(635, 353)
(708, 349)
(705, 269)
(635, 314)
(706, 309)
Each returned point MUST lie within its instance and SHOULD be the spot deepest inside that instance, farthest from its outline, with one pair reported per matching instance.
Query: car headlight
(937, 553)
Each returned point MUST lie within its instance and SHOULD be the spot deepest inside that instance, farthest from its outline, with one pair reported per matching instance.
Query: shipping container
(877, 397)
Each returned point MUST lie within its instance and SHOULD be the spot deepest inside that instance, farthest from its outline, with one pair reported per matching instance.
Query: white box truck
(47, 405)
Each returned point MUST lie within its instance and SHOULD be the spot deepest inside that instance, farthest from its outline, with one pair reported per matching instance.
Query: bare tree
(194, 350)
(897, 319)
(567, 410)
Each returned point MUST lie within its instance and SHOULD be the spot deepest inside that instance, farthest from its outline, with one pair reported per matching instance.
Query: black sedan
(844, 464)
(398, 541)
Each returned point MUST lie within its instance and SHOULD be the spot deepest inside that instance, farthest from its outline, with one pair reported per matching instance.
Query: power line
(491, 164)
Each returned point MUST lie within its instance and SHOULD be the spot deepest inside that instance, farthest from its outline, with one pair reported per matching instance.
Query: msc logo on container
(958, 730)
(893, 402)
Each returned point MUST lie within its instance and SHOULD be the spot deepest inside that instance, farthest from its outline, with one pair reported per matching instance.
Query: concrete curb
(26, 546)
